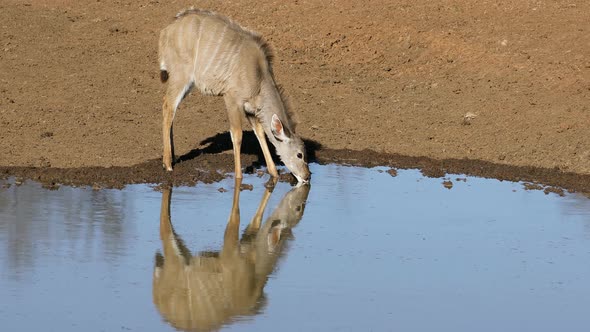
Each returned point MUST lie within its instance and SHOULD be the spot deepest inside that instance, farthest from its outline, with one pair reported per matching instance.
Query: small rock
(222, 190)
(270, 184)
(448, 184)
(468, 117)
(246, 186)
(392, 172)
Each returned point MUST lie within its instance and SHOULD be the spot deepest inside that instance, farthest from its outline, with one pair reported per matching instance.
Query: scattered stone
(222, 190)
(246, 186)
(270, 184)
(448, 184)
(468, 117)
(392, 172)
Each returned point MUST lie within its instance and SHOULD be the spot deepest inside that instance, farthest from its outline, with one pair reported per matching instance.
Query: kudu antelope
(209, 290)
(217, 56)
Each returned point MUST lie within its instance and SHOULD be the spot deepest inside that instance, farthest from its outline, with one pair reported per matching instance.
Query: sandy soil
(372, 82)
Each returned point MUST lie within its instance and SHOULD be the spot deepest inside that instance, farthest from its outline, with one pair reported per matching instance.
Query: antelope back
(214, 53)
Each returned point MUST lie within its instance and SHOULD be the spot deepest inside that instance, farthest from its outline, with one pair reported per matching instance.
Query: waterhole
(360, 249)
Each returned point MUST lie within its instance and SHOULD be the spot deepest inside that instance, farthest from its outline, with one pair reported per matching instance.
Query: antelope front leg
(254, 225)
(167, 118)
(259, 132)
(236, 138)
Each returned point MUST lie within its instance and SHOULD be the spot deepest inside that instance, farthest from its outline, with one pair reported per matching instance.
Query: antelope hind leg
(234, 113)
(167, 136)
(175, 93)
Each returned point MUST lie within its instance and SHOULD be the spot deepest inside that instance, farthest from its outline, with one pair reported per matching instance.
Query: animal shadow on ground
(222, 142)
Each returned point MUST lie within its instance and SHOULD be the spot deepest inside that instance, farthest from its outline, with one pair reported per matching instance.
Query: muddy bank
(212, 167)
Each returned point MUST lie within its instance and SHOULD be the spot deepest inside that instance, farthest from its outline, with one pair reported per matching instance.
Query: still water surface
(359, 250)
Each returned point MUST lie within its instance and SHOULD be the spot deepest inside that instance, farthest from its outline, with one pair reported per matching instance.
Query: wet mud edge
(210, 168)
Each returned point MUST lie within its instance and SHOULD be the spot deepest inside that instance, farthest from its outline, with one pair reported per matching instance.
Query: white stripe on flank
(224, 53)
(179, 36)
(227, 58)
(204, 55)
(195, 72)
(219, 41)
(234, 55)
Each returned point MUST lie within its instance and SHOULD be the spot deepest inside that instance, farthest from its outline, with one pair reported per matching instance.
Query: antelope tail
(163, 75)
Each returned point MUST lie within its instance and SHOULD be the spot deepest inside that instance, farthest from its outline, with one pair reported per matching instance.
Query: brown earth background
(372, 83)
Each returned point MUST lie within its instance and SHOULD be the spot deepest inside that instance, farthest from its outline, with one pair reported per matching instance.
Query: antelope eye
(299, 155)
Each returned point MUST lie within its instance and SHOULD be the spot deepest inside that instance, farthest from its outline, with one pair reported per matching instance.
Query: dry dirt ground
(372, 82)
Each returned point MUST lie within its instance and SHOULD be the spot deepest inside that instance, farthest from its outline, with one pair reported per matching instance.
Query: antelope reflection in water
(209, 290)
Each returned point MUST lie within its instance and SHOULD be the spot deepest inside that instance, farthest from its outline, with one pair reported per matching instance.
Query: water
(358, 251)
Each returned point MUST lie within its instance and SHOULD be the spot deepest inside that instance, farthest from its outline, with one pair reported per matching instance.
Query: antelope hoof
(271, 183)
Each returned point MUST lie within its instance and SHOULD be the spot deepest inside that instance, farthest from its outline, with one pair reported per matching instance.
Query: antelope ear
(273, 237)
(277, 129)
